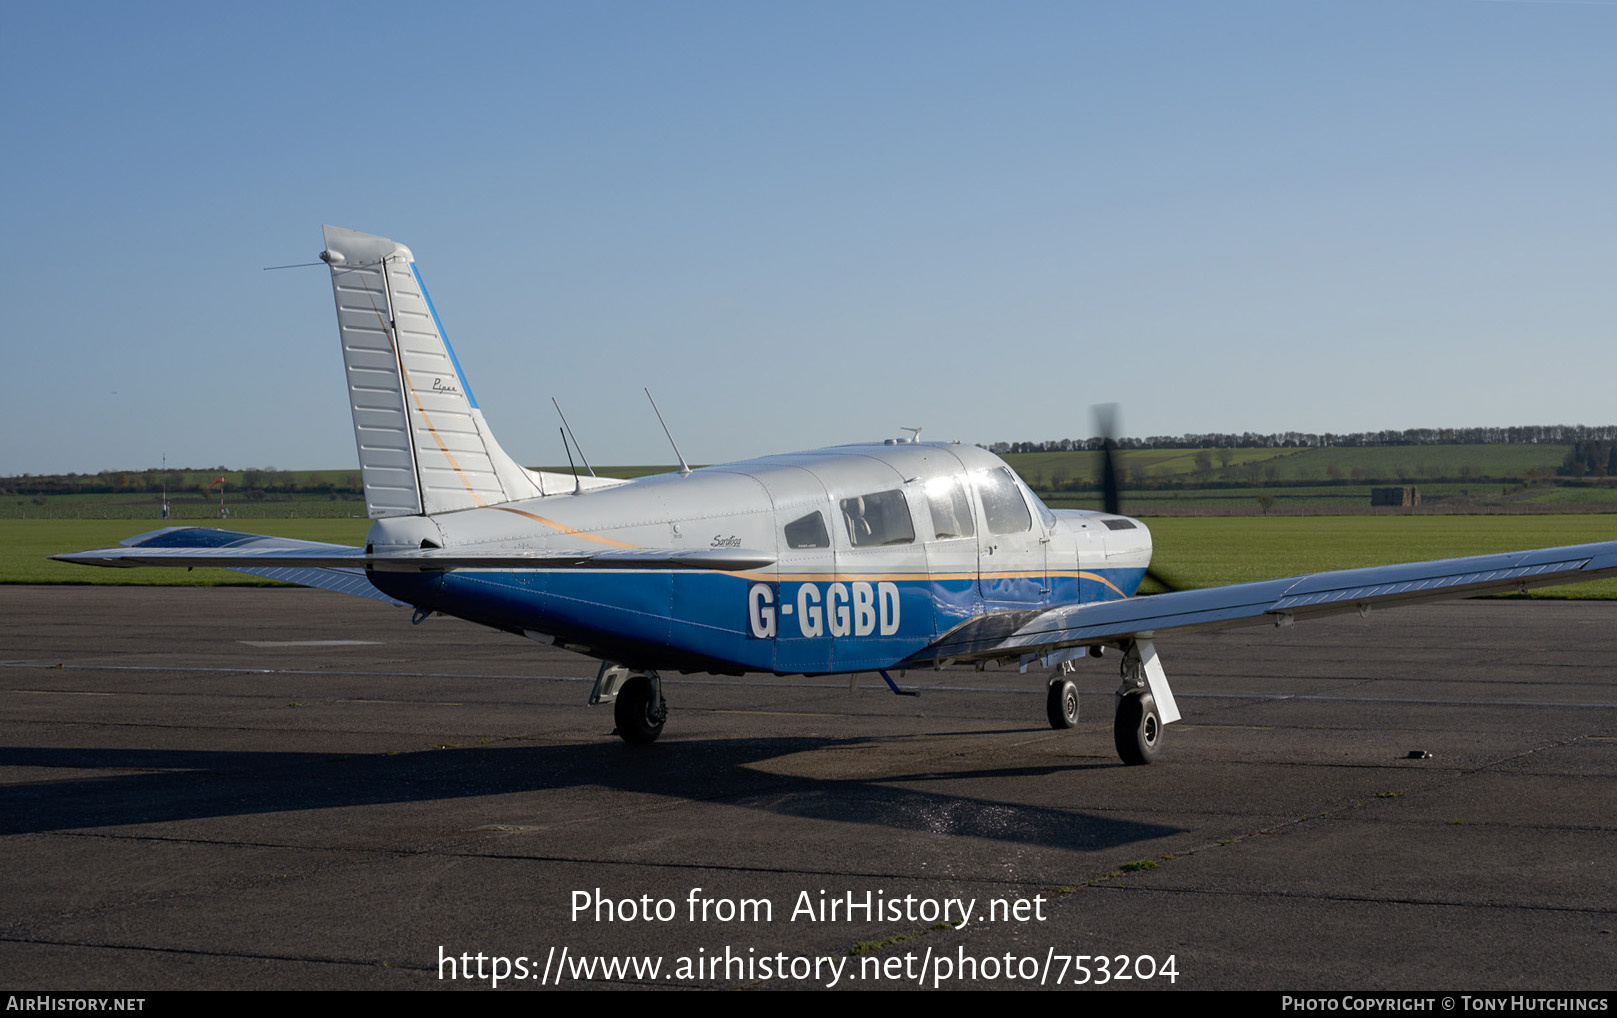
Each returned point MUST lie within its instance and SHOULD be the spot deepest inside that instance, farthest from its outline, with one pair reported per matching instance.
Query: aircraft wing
(1044, 634)
(254, 553)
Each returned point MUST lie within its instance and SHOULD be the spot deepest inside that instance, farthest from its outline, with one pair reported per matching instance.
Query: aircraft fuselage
(878, 550)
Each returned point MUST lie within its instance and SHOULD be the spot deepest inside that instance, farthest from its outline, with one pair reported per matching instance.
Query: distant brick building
(1409, 496)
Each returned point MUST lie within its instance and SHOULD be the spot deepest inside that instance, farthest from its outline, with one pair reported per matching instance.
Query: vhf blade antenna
(574, 437)
(684, 468)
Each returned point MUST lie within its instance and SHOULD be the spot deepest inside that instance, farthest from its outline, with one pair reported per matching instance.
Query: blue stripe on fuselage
(721, 622)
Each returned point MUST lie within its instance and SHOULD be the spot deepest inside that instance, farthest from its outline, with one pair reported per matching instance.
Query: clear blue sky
(810, 223)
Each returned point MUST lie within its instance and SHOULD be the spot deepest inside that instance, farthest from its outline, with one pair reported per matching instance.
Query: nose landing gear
(1061, 704)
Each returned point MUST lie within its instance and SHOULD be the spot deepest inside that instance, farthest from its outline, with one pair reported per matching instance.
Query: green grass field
(1193, 551)
(1206, 551)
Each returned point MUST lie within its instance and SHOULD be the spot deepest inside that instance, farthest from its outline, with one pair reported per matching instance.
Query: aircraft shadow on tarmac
(179, 785)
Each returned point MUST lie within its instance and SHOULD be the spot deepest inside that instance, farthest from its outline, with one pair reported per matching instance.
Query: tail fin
(423, 443)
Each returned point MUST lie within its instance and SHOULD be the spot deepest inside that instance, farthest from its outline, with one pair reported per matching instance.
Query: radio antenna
(684, 468)
(578, 482)
(574, 437)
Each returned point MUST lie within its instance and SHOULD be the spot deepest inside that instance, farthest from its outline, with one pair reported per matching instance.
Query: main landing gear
(637, 701)
(1137, 730)
(1145, 705)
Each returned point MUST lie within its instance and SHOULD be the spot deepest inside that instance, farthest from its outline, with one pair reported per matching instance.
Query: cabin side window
(875, 520)
(951, 508)
(808, 532)
(1003, 505)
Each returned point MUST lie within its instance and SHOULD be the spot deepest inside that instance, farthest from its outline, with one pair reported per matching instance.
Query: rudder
(423, 444)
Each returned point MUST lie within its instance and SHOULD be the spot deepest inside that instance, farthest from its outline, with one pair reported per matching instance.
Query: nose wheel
(1061, 704)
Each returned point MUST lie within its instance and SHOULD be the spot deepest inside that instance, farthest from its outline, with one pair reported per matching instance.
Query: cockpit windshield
(1004, 509)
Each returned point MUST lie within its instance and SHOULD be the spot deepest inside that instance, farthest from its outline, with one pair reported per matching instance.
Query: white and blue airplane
(859, 558)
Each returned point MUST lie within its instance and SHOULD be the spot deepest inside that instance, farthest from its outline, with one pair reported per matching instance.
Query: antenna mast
(578, 482)
(684, 468)
(574, 437)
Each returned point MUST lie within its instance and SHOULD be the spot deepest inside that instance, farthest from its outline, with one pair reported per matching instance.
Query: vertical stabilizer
(423, 443)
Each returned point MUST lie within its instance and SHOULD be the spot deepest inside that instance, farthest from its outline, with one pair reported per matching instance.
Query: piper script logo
(856, 608)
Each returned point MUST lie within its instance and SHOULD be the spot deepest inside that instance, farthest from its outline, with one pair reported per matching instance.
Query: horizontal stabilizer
(341, 581)
(205, 546)
(334, 567)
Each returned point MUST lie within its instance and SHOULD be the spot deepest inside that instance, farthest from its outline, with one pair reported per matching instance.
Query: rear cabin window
(1003, 505)
(875, 520)
(951, 508)
(808, 532)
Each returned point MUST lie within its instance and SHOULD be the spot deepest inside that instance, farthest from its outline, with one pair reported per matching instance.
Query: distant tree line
(253, 483)
(1541, 434)
(1590, 459)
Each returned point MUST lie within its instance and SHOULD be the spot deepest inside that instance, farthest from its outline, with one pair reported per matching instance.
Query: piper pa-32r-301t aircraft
(857, 558)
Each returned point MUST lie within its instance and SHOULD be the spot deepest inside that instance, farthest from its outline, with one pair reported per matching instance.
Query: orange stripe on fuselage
(828, 577)
(569, 531)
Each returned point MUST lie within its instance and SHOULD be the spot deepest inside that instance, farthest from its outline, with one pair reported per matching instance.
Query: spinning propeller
(1110, 486)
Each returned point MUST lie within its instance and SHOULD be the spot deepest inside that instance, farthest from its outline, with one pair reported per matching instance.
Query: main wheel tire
(639, 711)
(1061, 705)
(1137, 730)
